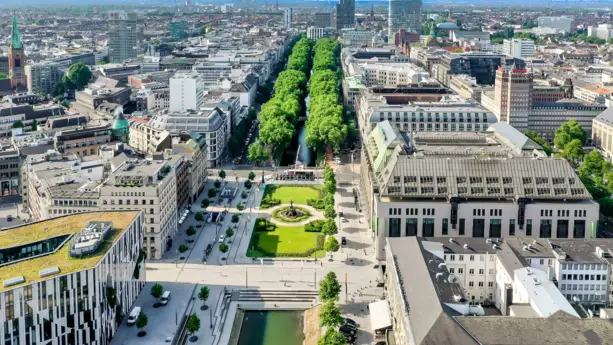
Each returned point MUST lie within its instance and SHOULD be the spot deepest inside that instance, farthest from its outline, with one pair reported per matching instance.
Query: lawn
(285, 241)
(298, 194)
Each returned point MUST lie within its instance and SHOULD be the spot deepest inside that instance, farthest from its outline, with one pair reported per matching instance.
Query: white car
(222, 238)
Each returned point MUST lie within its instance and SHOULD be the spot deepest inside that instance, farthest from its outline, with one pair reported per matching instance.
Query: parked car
(222, 238)
(351, 322)
(343, 241)
(347, 329)
(9, 218)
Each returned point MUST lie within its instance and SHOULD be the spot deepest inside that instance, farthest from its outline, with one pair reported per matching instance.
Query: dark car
(343, 241)
(350, 338)
(9, 218)
(347, 329)
(351, 322)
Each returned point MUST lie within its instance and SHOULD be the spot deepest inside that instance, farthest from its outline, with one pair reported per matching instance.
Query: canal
(274, 327)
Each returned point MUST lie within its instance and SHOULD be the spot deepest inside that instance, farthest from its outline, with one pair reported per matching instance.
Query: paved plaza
(354, 265)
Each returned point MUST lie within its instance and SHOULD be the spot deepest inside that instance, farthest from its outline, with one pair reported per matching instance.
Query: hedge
(314, 226)
(316, 203)
(268, 203)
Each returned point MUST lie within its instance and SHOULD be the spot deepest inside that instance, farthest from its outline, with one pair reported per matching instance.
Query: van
(133, 316)
(165, 297)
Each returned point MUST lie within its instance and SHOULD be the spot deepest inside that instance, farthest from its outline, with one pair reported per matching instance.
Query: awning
(379, 315)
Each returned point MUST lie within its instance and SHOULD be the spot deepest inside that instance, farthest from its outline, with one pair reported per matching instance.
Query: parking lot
(162, 321)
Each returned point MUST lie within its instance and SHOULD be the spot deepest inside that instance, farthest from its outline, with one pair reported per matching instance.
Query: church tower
(17, 59)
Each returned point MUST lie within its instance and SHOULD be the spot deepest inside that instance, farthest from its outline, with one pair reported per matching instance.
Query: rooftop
(67, 225)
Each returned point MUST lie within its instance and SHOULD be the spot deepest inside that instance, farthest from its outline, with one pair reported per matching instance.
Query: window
(471, 284)
(461, 257)
(528, 227)
(490, 284)
(462, 227)
(451, 270)
(480, 284)
(471, 271)
(460, 270)
(471, 258)
(451, 257)
(445, 226)
(512, 227)
(490, 271)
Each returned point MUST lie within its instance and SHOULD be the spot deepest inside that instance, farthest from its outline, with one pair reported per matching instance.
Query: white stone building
(186, 91)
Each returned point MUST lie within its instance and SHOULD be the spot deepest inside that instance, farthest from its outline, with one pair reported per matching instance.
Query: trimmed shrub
(235, 218)
(268, 203)
(314, 226)
(262, 224)
(316, 203)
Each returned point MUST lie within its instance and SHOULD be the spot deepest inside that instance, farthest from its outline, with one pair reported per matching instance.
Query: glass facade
(31, 249)
(404, 14)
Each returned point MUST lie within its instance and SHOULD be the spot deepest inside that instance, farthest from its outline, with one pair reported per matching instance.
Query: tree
(211, 193)
(257, 153)
(235, 218)
(248, 184)
(205, 203)
(573, 151)
(329, 228)
(329, 288)
(222, 174)
(330, 315)
(203, 295)
(244, 195)
(592, 164)
(332, 337)
(217, 183)
(329, 211)
(331, 245)
(539, 140)
(251, 176)
(157, 290)
(199, 216)
(191, 231)
(183, 248)
(3, 75)
(567, 132)
(223, 247)
(79, 74)
(606, 206)
(18, 124)
(229, 232)
(141, 322)
(193, 324)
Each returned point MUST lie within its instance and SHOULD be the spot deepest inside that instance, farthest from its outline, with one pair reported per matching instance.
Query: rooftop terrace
(68, 225)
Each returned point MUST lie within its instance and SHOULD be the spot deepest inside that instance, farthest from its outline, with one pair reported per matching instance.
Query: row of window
(584, 297)
(596, 287)
(478, 230)
(411, 211)
(586, 267)
(445, 127)
(128, 202)
(480, 284)
(452, 258)
(584, 277)
(479, 179)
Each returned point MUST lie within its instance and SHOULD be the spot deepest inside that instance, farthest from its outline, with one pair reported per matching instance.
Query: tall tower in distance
(345, 14)
(17, 58)
(287, 18)
(513, 95)
(404, 14)
(124, 34)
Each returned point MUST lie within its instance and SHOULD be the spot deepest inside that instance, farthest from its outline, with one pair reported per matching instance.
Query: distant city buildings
(287, 18)
(324, 19)
(562, 23)
(602, 31)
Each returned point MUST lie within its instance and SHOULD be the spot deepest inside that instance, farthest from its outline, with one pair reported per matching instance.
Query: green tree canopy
(329, 288)
(329, 228)
(331, 246)
(18, 124)
(573, 150)
(193, 323)
(157, 290)
(567, 132)
(332, 337)
(222, 174)
(330, 315)
(204, 293)
(258, 153)
(79, 74)
(539, 140)
(3, 75)
(251, 176)
(142, 320)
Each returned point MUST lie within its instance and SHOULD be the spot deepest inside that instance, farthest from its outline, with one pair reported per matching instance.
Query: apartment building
(379, 74)
(45, 286)
(463, 184)
(43, 77)
(519, 48)
(593, 93)
(212, 124)
(357, 38)
(84, 141)
(193, 148)
(187, 92)
(482, 67)
(147, 139)
(150, 186)
(10, 170)
(562, 23)
(512, 96)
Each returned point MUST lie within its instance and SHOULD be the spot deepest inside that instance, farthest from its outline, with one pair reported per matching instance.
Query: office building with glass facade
(52, 293)
(404, 14)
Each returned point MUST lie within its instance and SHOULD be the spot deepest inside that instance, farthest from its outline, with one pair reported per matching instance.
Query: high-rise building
(43, 77)
(513, 96)
(187, 92)
(345, 14)
(519, 48)
(323, 19)
(404, 14)
(124, 31)
(288, 18)
(17, 58)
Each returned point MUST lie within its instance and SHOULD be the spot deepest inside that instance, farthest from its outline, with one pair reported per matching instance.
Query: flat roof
(46, 229)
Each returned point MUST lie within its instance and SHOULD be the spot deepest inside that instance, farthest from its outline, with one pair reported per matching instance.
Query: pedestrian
(322, 264)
